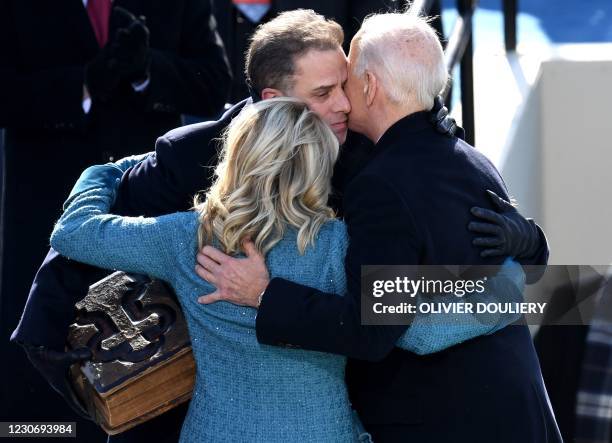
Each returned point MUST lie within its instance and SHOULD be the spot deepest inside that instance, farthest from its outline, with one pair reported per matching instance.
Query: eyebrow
(323, 88)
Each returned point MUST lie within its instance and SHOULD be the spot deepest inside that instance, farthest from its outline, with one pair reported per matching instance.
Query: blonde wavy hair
(274, 172)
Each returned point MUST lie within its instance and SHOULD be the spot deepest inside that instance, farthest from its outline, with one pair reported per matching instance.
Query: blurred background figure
(84, 82)
(576, 358)
(593, 412)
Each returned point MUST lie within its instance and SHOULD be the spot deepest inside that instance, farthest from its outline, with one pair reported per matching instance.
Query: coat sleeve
(167, 180)
(61, 282)
(58, 285)
(183, 164)
(534, 266)
(162, 183)
(150, 188)
(292, 314)
(430, 333)
(89, 234)
(196, 79)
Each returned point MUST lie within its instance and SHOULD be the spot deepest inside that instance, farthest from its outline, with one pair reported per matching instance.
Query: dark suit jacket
(44, 47)
(410, 205)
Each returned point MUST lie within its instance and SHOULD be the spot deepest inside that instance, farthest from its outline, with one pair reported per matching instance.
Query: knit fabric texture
(246, 391)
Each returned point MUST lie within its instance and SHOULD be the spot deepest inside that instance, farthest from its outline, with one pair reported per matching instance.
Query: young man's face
(318, 81)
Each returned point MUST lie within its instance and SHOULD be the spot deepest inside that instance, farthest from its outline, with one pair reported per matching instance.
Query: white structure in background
(545, 119)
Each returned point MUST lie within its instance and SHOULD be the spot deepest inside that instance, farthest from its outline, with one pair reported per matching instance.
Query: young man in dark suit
(279, 63)
(409, 205)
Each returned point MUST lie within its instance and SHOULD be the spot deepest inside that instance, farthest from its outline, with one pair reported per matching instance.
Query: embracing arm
(506, 233)
(61, 282)
(86, 232)
(162, 183)
(182, 165)
(333, 324)
(299, 316)
(431, 333)
(294, 314)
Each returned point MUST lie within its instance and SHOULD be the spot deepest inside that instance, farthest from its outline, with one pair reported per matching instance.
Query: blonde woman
(272, 186)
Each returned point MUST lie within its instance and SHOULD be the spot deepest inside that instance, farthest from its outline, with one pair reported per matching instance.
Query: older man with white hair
(423, 184)
(410, 205)
(396, 68)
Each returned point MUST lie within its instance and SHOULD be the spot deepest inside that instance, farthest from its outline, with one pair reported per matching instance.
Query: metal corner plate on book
(130, 323)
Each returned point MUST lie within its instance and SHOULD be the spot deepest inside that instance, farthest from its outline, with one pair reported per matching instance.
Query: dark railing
(510, 11)
(459, 50)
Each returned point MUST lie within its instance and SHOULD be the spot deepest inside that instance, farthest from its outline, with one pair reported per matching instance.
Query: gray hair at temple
(404, 53)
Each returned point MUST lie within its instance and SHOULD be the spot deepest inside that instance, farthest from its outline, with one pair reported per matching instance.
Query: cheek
(355, 104)
(352, 97)
(349, 87)
(317, 108)
(323, 110)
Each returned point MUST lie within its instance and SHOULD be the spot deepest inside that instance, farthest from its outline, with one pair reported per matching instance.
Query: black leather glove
(102, 75)
(439, 117)
(507, 232)
(125, 57)
(130, 45)
(54, 365)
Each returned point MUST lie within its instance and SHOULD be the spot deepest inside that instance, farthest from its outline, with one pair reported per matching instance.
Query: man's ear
(267, 93)
(371, 87)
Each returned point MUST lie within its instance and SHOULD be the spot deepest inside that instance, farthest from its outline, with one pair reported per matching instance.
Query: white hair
(404, 53)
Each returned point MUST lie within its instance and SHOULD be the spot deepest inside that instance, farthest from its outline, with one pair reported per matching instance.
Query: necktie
(99, 15)
(254, 10)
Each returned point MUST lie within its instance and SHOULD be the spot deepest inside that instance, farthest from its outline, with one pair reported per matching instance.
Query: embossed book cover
(142, 362)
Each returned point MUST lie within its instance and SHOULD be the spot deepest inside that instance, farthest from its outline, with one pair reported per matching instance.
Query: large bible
(142, 363)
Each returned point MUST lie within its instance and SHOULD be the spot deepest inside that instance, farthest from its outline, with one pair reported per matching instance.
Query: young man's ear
(267, 93)
(370, 88)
